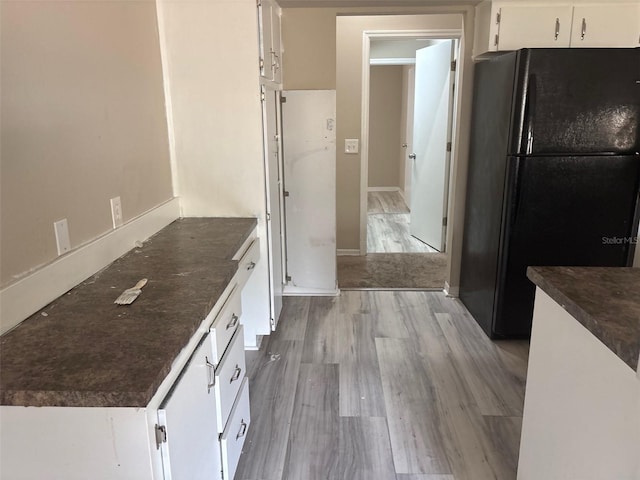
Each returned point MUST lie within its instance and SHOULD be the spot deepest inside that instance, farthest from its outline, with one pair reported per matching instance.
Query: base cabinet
(192, 428)
(186, 429)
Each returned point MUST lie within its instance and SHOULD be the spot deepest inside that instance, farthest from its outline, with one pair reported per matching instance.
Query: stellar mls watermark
(620, 240)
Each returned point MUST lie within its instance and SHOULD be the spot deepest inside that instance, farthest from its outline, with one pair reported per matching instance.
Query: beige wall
(301, 73)
(83, 120)
(385, 110)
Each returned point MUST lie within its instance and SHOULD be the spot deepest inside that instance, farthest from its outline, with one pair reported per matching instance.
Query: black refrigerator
(554, 174)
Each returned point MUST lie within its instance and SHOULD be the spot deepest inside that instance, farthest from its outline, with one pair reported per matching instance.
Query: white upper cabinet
(539, 27)
(508, 25)
(270, 44)
(606, 26)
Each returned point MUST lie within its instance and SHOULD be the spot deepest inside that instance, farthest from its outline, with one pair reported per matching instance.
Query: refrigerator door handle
(529, 114)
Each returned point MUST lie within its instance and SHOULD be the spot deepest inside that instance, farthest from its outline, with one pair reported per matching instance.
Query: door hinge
(268, 217)
(448, 146)
(495, 41)
(262, 97)
(273, 323)
(288, 278)
(453, 65)
(498, 17)
(161, 435)
(283, 99)
(285, 193)
(444, 221)
(258, 3)
(261, 64)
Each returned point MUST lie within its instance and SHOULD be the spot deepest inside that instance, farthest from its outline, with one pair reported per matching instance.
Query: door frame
(435, 34)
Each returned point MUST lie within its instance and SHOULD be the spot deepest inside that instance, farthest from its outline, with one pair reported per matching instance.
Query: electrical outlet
(61, 229)
(351, 145)
(116, 212)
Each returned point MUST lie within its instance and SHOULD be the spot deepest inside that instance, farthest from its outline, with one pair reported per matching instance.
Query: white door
(309, 142)
(188, 414)
(273, 166)
(430, 136)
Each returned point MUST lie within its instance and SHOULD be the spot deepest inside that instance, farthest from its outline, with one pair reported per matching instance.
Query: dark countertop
(83, 350)
(606, 300)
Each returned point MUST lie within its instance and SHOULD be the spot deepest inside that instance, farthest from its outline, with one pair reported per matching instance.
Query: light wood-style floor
(388, 220)
(383, 386)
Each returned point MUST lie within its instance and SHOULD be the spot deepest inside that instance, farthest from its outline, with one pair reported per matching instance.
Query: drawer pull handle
(236, 374)
(211, 375)
(251, 265)
(233, 322)
(243, 429)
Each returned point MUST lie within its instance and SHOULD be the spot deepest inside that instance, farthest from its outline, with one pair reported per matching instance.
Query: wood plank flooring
(383, 386)
(388, 225)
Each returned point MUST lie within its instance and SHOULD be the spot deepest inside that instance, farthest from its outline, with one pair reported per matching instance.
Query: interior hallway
(383, 386)
(388, 220)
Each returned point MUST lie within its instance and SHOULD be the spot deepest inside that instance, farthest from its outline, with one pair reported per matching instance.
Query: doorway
(408, 168)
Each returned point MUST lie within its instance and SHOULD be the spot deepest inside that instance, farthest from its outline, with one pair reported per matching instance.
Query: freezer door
(570, 211)
(576, 101)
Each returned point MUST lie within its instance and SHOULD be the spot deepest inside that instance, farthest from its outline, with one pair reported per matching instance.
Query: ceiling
(373, 3)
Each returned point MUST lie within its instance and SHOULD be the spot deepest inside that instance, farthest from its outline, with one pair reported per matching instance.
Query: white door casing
(431, 127)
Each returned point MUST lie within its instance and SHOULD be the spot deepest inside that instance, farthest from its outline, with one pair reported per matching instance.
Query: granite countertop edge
(625, 346)
(212, 239)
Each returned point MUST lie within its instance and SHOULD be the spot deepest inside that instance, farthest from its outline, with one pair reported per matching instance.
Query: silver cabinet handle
(211, 375)
(412, 156)
(236, 374)
(233, 322)
(555, 37)
(251, 265)
(243, 429)
(584, 28)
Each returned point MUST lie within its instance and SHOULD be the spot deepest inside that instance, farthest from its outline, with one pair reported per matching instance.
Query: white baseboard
(293, 291)
(383, 189)
(346, 252)
(28, 295)
(450, 291)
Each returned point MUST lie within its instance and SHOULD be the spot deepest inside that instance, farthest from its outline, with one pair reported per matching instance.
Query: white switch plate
(61, 228)
(116, 212)
(351, 145)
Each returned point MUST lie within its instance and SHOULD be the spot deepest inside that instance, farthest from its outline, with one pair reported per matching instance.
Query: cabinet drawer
(229, 375)
(232, 439)
(225, 325)
(248, 262)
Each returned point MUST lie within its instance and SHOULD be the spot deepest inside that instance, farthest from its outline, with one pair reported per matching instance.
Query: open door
(431, 133)
(273, 166)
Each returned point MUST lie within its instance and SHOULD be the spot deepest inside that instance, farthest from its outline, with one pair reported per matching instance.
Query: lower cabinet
(186, 429)
(203, 419)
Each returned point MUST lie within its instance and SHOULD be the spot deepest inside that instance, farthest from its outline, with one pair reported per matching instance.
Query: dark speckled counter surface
(83, 350)
(605, 300)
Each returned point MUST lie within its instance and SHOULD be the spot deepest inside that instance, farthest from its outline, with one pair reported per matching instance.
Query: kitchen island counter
(605, 300)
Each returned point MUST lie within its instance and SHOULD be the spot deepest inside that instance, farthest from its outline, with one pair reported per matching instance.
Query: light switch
(351, 145)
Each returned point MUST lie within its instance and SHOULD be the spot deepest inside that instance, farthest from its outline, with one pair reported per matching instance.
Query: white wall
(210, 55)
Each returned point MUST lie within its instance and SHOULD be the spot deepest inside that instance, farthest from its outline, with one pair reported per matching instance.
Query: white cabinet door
(270, 45)
(606, 26)
(534, 26)
(309, 138)
(265, 35)
(188, 414)
(276, 45)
